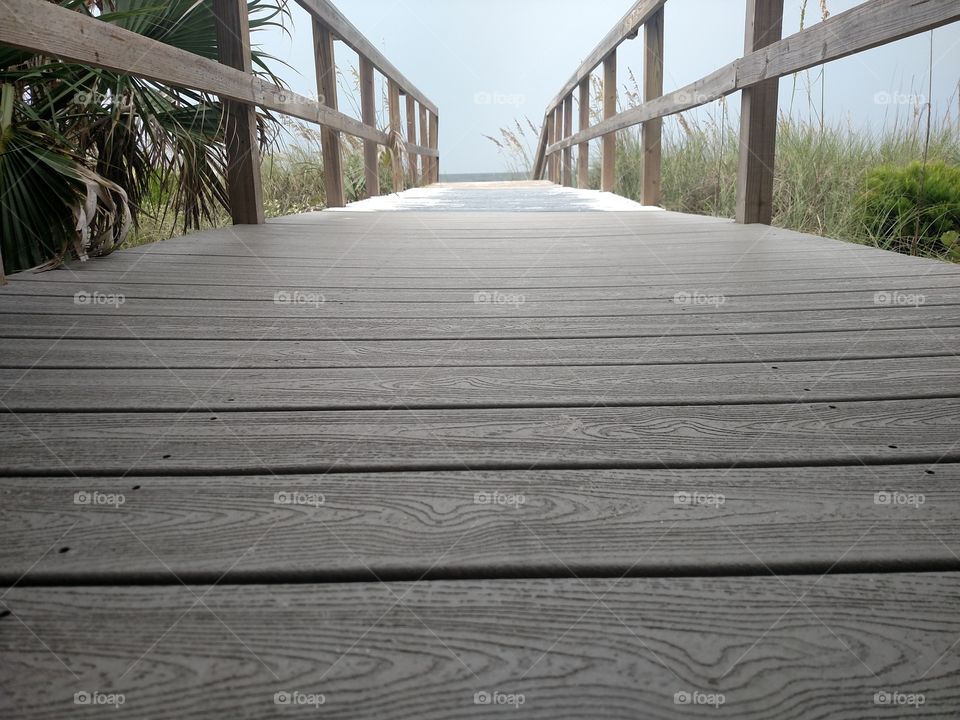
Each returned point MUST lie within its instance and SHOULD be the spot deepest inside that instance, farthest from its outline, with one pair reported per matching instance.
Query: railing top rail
(627, 27)
(327, 13)
(56, 31)
(860, 28)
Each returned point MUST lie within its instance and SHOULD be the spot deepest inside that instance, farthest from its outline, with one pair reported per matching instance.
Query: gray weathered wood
(396, 133)
(397, 525)
(792, 647)
(723, 436)
(451, 387)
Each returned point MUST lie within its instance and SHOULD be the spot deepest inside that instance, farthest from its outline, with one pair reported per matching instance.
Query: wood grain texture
(524, 524)
(318, 354)
(572, 648)
(161, 327)
(777, 434)
(181, 390)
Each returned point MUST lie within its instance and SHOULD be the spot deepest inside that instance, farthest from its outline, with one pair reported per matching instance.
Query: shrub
(911, 209)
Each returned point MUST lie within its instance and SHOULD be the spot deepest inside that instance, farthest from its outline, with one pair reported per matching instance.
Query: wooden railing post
(551, 139)
(652, 133)
(567, 132)
(425, 142)
(329, 138)
(583, 150)
(412, 138)
(608, 177)
(368, 113)
(393, 95)
(434, 145)
(758, 120)
(244, 188)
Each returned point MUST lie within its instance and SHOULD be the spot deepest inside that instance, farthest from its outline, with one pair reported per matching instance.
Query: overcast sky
(488, 62)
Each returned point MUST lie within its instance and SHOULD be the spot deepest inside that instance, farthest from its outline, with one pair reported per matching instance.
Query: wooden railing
(766, 59)
(49, 29)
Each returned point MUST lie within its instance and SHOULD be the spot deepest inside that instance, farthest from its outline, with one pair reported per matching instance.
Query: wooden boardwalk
(579, 464)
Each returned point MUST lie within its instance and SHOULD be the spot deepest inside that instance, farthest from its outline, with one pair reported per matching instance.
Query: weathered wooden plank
(192, 271)
(244, 186)
(652, 350)
(724, 294)
(786, 647)
(59, 32)
(160, 327)
(718, 436)
(537, 523)
(758, 120)
(445, 387)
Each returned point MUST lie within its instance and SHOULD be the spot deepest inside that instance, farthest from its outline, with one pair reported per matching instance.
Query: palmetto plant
(80, 147)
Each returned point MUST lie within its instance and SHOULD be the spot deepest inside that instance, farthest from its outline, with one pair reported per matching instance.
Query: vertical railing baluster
(608, 179)
(413, 158)
(758, 120)
(396, 149)
(567, 132)
(652, 132)
(327, 89)
(583, 150)
(244, 188)
(368, 113)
